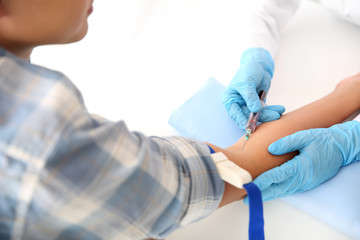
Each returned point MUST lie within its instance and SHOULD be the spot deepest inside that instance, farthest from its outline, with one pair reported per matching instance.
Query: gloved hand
(241, 96)
(322, 152)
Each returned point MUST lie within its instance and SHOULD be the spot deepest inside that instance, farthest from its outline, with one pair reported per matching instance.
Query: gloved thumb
(291, 143)
(248, 92)
(274, 180)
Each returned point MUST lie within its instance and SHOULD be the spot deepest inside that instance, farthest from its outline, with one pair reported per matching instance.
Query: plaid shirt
(66, 174)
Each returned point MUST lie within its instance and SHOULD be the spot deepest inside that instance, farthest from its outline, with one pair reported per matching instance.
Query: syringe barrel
(254, 117)
(252, 122)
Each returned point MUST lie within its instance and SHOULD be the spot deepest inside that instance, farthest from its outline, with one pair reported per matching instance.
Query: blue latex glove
(322, 152)
(241, 96)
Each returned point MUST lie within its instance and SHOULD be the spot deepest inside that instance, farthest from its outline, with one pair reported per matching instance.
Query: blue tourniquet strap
(256, 223)
(211, 150)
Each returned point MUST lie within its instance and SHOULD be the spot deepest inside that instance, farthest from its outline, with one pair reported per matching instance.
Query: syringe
(253, 119)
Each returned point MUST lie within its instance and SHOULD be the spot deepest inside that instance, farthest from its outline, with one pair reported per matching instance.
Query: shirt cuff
(206, 187)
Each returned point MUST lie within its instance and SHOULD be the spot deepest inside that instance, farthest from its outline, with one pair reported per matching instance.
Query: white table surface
(142, 59)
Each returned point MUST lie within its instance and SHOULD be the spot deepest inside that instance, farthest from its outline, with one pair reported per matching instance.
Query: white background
(142, 59)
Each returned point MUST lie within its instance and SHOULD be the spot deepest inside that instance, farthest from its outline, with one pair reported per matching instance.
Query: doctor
(311, 167)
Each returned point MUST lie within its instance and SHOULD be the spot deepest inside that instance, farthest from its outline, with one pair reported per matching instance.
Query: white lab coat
(269, 17)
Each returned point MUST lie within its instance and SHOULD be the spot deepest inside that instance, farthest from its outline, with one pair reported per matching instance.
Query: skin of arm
(323, 113)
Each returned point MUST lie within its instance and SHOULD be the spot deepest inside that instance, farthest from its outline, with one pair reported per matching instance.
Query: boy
(65, 174)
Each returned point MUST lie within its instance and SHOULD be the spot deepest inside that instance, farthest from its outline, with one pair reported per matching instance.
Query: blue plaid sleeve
(65, 174)
(133, 186)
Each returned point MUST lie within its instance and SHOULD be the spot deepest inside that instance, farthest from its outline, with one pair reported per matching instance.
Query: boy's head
(25, 24)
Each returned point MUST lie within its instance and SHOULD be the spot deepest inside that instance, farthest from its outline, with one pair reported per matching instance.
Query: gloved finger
(230, 96)
(278, 190)
(248, 91)
(275, 182)
(267, 114)
(283, 189)
(236, 113)
(291, 143)
(245, 111)
(276, 175)
(265, 83)
(277, 108)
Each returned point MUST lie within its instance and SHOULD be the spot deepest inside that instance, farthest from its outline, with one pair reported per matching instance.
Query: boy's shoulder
(9, 63)
(36, 79)
(35, 99)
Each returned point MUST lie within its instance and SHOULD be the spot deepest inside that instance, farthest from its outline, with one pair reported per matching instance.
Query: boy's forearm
(325, 112)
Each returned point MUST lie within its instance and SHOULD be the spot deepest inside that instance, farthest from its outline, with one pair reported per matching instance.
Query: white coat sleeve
(266, 19)
(348, 10)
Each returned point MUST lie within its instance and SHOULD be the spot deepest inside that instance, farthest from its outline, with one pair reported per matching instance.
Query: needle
(246, 138)
(253, 119)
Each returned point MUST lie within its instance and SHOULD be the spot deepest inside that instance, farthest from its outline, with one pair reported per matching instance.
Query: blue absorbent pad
(335, 202)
